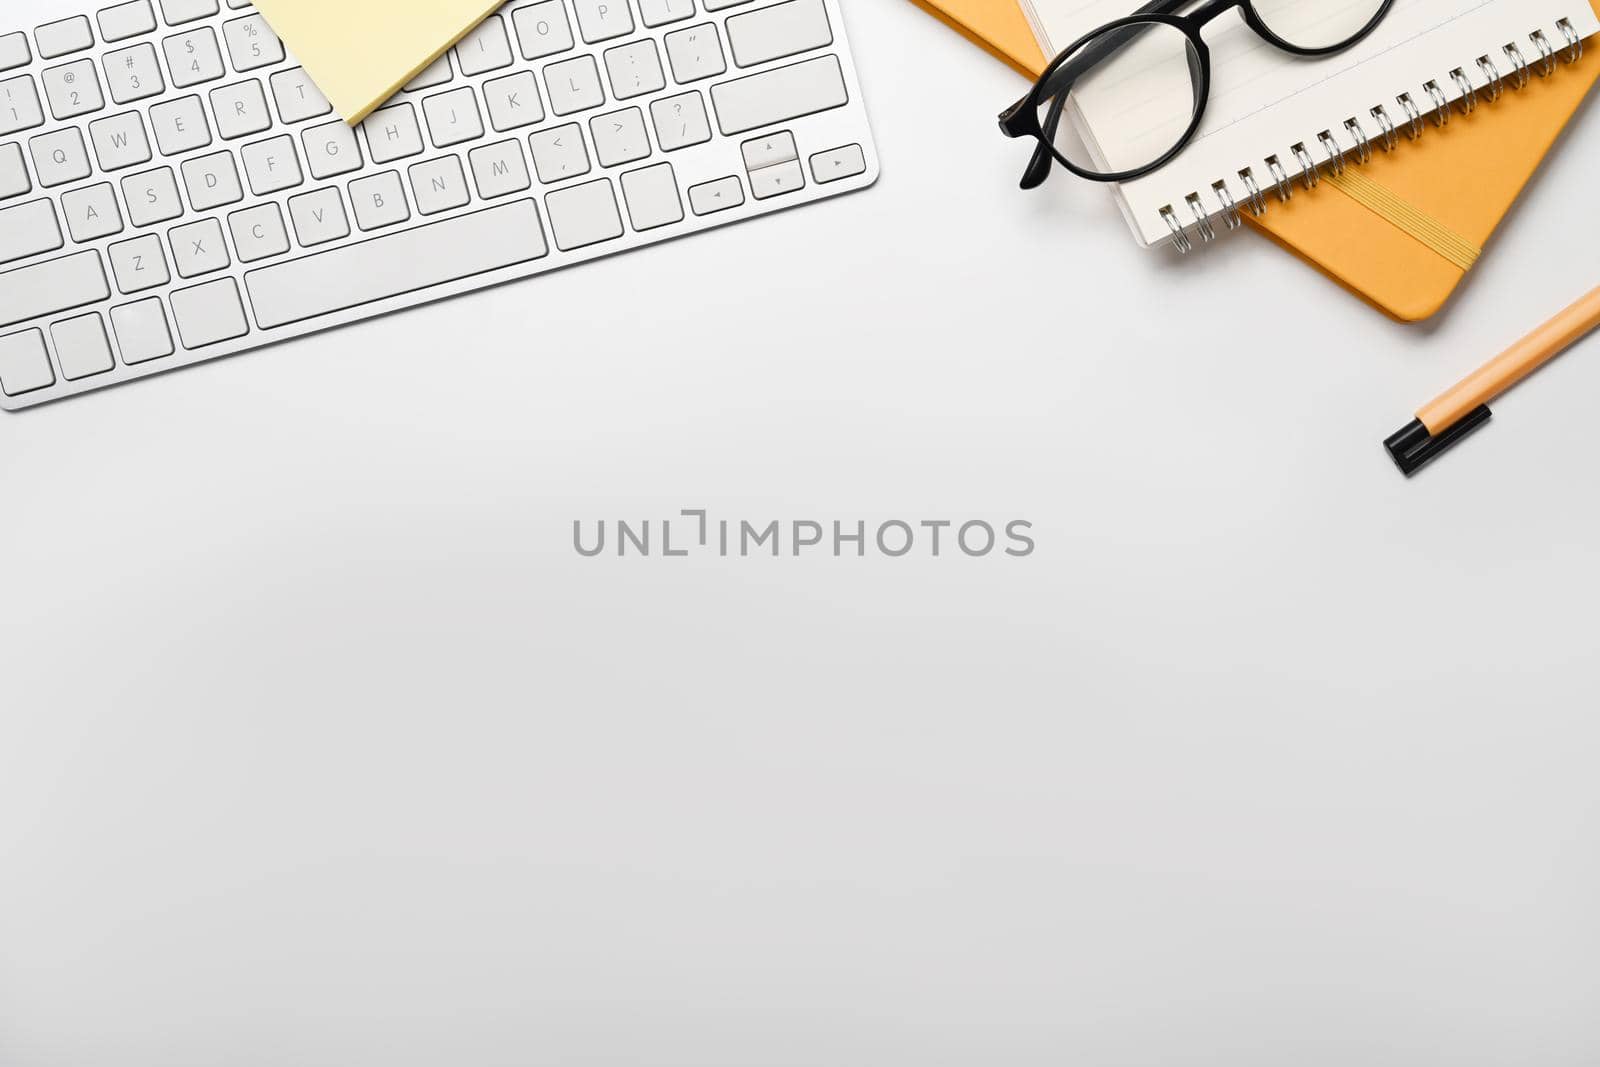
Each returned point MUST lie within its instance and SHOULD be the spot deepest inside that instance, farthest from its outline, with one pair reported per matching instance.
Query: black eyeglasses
(1164, 58)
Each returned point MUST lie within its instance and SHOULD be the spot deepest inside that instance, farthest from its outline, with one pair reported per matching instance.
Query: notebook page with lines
(1275, 122)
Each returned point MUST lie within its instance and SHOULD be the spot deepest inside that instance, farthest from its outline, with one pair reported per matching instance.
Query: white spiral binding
(1494, 83)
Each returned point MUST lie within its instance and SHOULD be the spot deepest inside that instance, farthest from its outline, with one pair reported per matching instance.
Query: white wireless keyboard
(173, 187)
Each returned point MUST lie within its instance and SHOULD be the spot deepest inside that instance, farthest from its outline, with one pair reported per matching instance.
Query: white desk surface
(321, 745)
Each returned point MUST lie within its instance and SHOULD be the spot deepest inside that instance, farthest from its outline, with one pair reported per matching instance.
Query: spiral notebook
(1385, 249)
(1278, 124)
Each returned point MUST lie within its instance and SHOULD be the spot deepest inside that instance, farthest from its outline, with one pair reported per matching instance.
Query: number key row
(134, 73)
(132, 18)
(194, 57)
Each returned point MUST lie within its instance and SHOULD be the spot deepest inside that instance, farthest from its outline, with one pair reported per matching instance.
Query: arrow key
(710, 197)
(768, 150)
(777, 180)
(838, 163)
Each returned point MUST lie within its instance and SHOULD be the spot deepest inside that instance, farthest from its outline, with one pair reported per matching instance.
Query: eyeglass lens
(1142, 85)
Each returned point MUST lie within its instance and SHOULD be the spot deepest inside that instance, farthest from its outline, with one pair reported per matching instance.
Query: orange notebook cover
(1403, 230)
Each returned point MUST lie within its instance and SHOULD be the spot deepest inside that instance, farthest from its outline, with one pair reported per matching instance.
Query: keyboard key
(620, 137)
(252, 44)
(695, 53)
(652, 197)
(142, 332)
(259, 233)
(198, 248)
(439, 185)
(73, 89)
(393, 133)
(486, 48)
(318, 217)
(778, 31)
(177, 12)
(777, 180)
(180, 125)
(559, 154)
(152, 197)
(241, 110)
(46, 288)
(271, 166)
(634, 69)
(513, 101)
(122, 21)
(24, 363)
(584, 215)
(601, 20)
(19, 105)
(542, 29)
(396, 264)
(59, 157)
(14, 180)
(331, 150)
(708, 198)
(120, 141)
(297, 96)
(209, 314)
(779, 95)
(434, 74)
(28, 229)
(139, 264)
(453, 117)
(82, 347)
(14, 51)
(59, 38)
(193, 57)
(212, 181)
(680, 121)
(499, 169)
(573, 85)
(766, 151)
(92, 212)
(838, 163)
(719, 5)
(661, 12)
(379, 201)
(133, 73)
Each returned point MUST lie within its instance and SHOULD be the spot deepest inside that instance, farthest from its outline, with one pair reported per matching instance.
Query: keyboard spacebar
(397, 264)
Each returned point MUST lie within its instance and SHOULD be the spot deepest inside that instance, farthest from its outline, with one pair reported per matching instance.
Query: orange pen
(1463, 407)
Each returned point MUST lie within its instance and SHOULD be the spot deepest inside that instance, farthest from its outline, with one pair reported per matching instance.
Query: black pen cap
(1413, 447)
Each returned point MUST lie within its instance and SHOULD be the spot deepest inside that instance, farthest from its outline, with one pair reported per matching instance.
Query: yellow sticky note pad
(360, 52)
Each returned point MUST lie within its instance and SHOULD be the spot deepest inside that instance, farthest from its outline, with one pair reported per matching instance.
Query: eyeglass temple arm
(1039, 166)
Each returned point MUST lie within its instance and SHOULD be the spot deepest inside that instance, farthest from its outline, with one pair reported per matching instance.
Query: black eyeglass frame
(1022, 118)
